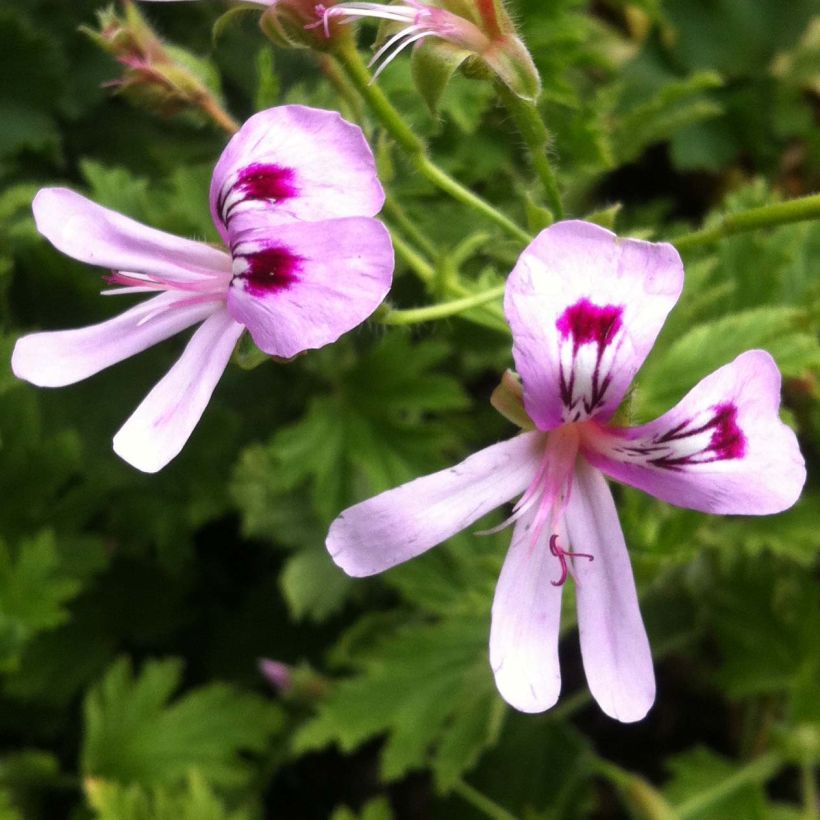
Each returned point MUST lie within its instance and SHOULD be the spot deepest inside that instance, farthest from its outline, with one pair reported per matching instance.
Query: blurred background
(134, 609)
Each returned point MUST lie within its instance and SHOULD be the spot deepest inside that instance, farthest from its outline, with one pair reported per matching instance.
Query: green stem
(392, 120)
(766, 216)
(481, 802)
(398, 215)
(414, 260)
(808, 783)
(537, 138)
(758, 770)
(415, 316)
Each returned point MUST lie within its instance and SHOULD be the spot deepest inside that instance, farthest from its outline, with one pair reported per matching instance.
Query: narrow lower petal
(615, 649)
(526, 619)
(301, 286)
(404, 522)
(57, 358)
(158, 429)
(721, 449)
(294, 162)
(585, 308)
(90, 233)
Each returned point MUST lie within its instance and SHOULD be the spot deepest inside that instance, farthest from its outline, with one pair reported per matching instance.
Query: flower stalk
(355, 68)
(444, 310)
(537, 138)
(766, 216)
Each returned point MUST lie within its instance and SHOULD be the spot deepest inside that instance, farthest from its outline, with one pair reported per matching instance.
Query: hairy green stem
(808, 784)
(766, 216)
(414, 260)
(537, 138)
(758, 770)
(392, 120)
(442, 310)
(398, 215)
(488, 807)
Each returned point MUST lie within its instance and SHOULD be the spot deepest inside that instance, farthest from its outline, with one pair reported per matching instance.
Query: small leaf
(134, 733)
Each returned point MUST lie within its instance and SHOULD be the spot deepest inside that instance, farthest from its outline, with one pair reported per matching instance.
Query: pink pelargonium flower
(293, 196)
(585, 308)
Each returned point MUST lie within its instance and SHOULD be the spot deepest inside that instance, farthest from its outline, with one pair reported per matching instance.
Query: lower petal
(721, 449)
(62, 357)
(158, 429)
(615, 649)
(404, 522)
(305, 284)
(526, 620)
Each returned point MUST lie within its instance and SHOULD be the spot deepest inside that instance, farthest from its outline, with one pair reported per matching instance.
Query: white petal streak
(615, 649)
(525, 622)
(408, 520)
(90, 233)
(61, 357)
(160, 426)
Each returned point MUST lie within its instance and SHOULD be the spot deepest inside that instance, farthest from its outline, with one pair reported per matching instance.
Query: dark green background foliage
(133, 608)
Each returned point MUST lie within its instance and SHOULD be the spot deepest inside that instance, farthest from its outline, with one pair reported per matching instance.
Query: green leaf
(699, 770)
(677, 105)
(429, 687)
(34, 590)
(376, 809)
(313, 586)
(194, 801)
(669, 373)
(135, 733)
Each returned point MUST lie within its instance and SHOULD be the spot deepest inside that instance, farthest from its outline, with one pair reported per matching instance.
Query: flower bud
(157, 76)
(300, 24)
(476, 34)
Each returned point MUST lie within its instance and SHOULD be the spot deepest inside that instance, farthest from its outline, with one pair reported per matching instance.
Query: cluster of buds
(158, 76)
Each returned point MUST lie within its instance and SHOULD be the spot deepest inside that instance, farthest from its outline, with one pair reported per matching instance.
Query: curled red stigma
(561, 554)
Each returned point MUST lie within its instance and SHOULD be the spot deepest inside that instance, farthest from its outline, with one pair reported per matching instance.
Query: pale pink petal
(526, 619)
(294, 162)
(90, 233)
(722, 449)
(257, 2)
(57, 358)
(301, 286)
(615, 649)
(160, 426)
(585, 308)
(399, 524)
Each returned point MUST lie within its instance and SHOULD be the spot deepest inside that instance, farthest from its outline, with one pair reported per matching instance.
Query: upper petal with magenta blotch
(585, 308)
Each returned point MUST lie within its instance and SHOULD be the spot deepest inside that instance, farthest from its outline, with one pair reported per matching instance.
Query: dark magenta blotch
(271, 269)
(266, 181)
(590, 324)
(727, 439)
(258, 181)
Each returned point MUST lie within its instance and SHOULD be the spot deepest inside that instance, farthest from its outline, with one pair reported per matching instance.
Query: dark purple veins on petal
(258, 182)
(270, 269)
(590, 324)
(587, 323)
(669, 450)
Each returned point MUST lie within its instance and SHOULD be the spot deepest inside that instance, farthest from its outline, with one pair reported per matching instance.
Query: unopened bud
(158, 76)
(477, 35)
(298, 24)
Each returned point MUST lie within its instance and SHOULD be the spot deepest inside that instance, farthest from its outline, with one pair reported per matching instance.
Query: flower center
(561, 554)
(547, 496)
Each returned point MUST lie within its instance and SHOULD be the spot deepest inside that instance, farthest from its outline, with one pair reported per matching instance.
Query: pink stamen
(561, 554)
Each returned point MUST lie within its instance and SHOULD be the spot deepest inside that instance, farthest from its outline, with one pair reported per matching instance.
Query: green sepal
(433, 64)
(509, 59)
